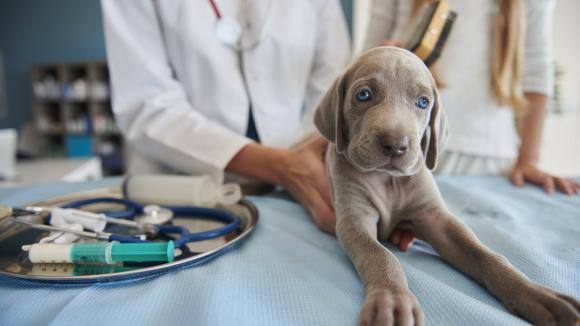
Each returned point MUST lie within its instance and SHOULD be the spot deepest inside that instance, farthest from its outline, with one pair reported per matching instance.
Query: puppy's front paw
(382, 308)
(543, 306)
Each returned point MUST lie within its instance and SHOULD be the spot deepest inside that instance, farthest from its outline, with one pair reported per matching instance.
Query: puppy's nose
(395, 146)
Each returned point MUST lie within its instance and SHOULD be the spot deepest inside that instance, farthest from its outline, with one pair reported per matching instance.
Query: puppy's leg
(388, 298)
(455, 242)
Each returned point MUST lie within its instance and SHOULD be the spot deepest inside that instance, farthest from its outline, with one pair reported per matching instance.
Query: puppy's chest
(390, 195)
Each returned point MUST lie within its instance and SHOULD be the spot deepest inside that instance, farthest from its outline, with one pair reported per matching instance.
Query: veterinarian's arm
(147, 98)
(300, 170)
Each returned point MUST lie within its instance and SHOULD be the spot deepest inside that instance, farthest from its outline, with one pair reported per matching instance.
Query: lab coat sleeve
(537, 70)
(150, 105)
(332, 54)
(382, 22)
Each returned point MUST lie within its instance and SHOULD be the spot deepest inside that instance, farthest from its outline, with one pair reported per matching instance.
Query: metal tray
(14, 262)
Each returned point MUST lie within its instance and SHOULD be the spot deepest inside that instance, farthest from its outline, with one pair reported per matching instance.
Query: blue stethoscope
(133, 209)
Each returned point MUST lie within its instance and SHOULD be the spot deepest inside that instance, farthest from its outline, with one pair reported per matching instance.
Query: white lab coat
(180, 99)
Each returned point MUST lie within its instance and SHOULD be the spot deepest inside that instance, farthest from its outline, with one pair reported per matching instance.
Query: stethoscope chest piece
(154, 214)
(228, 31)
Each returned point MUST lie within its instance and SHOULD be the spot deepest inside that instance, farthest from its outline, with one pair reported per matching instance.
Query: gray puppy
(385, 122)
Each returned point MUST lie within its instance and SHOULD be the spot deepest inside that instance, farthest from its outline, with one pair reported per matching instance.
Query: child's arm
(530, 129)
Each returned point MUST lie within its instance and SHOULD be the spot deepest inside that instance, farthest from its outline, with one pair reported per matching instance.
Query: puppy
(385, 123)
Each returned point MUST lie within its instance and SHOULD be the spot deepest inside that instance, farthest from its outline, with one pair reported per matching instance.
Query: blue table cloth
(289, 273)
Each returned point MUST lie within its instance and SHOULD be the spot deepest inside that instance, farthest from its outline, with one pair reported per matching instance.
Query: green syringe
(101, 252)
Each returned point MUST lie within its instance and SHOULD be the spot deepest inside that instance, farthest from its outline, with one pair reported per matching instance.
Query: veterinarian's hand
(303, 173)
(402, 238)
(528, 172)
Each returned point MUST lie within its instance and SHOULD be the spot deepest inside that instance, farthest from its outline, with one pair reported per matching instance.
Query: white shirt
(478, 124)
(180, 99)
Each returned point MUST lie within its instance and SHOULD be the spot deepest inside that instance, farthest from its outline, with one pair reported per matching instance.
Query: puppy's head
(384, 113)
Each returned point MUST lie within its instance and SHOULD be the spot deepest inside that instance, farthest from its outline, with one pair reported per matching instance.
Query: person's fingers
(540, 178)
(407, 240)
(320, 179)
(323, 187)
(564, 186)
(396, 237)
(322, 213)
(576, 187)
(326, 219)
(318, 143)
(313, 142)
(518, 178)
(549, 184)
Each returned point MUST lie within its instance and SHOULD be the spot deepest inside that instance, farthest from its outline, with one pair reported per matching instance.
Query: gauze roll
(180, 190)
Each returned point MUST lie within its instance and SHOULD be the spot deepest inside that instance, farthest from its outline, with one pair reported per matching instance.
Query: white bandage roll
(180, 190)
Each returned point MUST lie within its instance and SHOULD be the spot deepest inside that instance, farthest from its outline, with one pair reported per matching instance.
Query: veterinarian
(203, 87)
(495, 75)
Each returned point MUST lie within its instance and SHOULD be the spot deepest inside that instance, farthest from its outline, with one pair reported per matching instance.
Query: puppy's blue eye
(422, 103)
(363, 95)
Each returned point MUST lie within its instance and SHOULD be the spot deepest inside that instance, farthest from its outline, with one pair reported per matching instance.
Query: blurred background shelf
(72, 111)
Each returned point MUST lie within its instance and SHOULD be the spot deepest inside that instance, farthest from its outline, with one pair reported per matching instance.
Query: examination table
(289, 273)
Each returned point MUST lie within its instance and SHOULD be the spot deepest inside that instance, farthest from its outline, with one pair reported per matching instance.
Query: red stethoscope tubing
(216, 9)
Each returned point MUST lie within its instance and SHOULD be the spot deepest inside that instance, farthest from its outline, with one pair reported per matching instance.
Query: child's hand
(528, 172)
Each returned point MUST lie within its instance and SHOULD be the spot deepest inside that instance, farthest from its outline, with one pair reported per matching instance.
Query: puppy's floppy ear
(436, 134)
(329, 115)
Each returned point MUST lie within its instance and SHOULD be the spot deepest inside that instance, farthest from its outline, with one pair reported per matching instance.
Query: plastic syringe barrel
(102, 252)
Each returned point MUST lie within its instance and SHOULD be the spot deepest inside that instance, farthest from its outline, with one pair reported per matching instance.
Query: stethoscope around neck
(230, 33)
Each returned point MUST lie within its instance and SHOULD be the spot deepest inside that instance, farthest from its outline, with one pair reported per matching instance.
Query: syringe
(101, 252)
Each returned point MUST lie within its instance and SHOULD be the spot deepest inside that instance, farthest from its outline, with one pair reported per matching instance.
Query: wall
(40, 31)
(567, 52)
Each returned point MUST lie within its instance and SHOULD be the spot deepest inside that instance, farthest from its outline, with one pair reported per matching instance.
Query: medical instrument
(73, 270)
(101, 252)
(230, 33)
(63, 237)
(134, 209)
(67, 217)
(14, 262)
(93, 235)
(180, 190)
